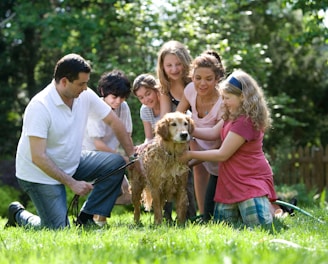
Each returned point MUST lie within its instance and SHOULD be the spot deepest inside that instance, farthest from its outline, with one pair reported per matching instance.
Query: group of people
(70, 138)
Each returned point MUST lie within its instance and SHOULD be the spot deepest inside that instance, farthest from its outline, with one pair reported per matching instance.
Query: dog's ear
(162, 128)
(191, 125)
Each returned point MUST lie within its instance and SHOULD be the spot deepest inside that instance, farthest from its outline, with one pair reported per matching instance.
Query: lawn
(298, 239)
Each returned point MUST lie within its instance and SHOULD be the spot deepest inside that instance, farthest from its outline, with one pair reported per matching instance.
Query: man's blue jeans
(50, 200)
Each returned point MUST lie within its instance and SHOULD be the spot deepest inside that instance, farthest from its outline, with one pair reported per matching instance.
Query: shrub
(7, 194)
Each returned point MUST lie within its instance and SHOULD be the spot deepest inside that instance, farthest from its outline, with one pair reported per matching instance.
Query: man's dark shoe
(13, 209)
(89, 224)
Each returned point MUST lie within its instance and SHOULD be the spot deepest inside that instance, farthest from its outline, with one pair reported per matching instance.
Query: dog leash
(74, 204)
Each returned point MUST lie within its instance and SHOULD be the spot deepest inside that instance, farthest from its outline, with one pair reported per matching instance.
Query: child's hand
(194, 162)
(184, 158)
(138, 149)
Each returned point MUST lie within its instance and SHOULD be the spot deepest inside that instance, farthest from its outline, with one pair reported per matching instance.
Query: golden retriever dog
(164, 177)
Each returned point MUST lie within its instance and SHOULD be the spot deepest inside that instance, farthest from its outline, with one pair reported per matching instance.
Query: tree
(282, 43)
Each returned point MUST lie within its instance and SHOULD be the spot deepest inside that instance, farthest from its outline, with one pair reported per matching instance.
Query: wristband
(132, 157)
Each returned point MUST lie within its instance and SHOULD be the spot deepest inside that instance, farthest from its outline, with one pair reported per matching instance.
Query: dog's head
(175, 126)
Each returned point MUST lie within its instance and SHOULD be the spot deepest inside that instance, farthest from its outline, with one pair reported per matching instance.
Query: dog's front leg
(137, 186)
(136, 200)
(182, 202)
(157, 207)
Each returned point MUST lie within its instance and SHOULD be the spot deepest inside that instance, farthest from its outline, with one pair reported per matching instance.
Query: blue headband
(235, 82)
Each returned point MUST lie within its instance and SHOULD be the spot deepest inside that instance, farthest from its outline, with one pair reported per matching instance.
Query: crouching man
(50, 157)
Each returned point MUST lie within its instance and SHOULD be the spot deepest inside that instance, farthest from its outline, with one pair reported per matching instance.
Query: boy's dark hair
(115, 83)
(70, 66)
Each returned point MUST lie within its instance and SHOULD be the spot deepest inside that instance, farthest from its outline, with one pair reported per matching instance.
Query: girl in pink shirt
(245, 184)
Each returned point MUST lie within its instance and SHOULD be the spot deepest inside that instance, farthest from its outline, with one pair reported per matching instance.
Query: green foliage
(305, 197)
(282, 43)
(285, 116)
(322, 199)
(7, 194)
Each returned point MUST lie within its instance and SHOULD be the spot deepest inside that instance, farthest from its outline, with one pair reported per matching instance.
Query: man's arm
(42, 160)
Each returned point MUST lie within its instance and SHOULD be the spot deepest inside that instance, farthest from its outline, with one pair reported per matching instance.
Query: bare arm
(149, 134)
(183, 105)
(120, 132)
(208, 133)
(42, 160)
(102, 146)
(165, 103)
(229, 146)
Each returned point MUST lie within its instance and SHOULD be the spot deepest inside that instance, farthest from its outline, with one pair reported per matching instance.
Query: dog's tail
(147, 199)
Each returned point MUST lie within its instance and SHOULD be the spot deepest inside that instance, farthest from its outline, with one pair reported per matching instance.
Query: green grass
(298, 239)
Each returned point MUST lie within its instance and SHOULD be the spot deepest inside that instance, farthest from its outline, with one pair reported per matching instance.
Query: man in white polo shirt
(50, 157)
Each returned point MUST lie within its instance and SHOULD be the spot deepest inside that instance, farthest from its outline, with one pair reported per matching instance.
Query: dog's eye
(174, 124)
(186, 123)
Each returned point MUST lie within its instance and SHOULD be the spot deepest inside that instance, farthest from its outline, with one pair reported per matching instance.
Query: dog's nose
(184, 135)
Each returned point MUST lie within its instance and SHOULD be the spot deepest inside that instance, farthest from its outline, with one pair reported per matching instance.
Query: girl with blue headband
(245, 184)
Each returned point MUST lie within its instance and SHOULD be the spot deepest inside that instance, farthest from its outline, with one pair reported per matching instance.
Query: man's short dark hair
(70, 66)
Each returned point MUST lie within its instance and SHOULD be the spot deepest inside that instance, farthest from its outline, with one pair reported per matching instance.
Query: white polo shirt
(46, 116)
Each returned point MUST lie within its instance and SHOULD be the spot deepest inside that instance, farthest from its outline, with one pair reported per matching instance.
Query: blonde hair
(178, 49)
(254, 105)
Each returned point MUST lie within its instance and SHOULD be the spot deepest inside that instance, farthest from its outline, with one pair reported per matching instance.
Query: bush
(304, 196)
(8, 194)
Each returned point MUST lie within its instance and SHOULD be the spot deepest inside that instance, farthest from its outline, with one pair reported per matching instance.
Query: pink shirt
(210, 120)
(247, 173)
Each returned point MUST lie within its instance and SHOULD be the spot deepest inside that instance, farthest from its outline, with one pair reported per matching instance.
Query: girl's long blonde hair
(254, 104)
(178, 49)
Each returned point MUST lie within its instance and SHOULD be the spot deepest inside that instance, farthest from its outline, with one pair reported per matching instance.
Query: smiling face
(204, 80)
(232, 102)
(114, 101)
(173, 67)
(147, 96)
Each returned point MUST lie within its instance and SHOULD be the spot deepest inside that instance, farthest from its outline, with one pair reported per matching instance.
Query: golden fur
(164, 177)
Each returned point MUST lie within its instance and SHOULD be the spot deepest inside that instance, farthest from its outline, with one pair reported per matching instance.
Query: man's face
(75, 88)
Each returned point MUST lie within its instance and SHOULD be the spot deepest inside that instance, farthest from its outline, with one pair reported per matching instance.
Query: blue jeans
(50, 200)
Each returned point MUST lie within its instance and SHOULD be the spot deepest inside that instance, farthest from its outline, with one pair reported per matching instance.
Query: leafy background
(282, 43)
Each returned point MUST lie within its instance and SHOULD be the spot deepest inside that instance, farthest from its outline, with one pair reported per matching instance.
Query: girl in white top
(146, 90)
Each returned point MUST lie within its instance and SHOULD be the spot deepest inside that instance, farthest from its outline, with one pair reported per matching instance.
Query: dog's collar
(167, 153)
